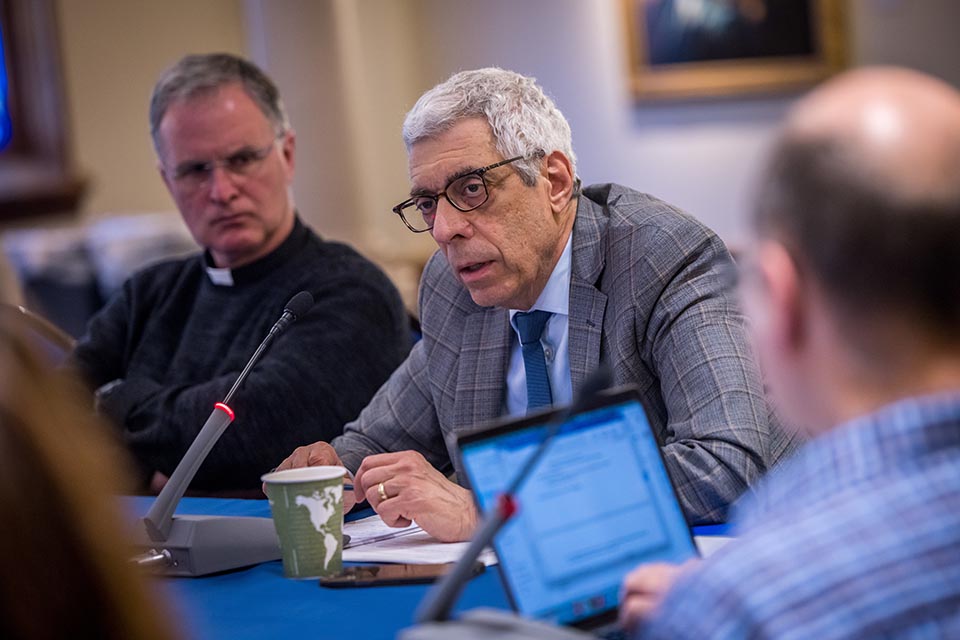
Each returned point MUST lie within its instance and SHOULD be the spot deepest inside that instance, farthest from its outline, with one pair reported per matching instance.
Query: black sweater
(177, 341)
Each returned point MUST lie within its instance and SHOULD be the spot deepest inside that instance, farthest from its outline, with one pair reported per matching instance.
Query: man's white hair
(523, 119)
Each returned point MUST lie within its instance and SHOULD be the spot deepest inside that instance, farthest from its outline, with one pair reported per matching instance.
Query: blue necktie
(530, 326)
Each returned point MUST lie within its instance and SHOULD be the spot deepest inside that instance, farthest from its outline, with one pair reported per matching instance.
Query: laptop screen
(598, 504)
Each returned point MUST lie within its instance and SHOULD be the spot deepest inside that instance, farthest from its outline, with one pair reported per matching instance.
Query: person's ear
(160, 147)
(288, 148)
(559, 174)
(163, 176)
(782, 283)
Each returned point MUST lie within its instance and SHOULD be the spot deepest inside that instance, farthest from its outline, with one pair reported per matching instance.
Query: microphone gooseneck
(160, 516)
(296, 307)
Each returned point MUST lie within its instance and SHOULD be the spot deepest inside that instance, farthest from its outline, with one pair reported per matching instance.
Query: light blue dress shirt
(856, 536)
(554, 298)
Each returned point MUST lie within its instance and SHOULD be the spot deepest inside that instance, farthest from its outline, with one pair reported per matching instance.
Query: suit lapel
(587, 303)
(587, 307)
(482, 371)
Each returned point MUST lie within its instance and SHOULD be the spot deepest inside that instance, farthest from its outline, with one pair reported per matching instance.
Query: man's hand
(414, 490)
(157, 482)
(316, 455)
(644, 588)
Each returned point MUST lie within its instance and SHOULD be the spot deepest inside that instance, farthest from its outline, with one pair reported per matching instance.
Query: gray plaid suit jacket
(650, 294)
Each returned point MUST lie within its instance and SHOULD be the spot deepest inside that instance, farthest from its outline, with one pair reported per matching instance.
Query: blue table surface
(258, 602)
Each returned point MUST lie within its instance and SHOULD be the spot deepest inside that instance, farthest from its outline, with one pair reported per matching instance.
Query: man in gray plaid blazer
(623, 276)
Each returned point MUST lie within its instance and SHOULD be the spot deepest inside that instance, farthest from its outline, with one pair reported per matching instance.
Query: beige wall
(113, 51)
(349, 71)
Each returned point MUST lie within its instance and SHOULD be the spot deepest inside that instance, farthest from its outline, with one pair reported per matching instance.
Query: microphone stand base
(201, 545)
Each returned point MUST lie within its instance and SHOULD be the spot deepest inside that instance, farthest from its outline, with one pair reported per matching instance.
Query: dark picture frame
(706, 48)
(37, 176)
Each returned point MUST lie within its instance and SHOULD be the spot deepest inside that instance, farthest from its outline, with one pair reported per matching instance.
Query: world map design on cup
(323, 508)
(307, 507)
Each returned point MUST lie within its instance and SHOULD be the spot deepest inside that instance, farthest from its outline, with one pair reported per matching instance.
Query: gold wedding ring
(382, 492)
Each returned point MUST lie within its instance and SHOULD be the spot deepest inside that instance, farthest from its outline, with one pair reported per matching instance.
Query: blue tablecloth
(259, 602)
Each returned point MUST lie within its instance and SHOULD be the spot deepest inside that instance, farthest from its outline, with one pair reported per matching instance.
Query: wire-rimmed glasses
(465, 192)
(195, 174)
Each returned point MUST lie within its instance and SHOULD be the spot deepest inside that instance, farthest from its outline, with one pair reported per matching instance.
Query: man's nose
(223, 187)
(449, 223)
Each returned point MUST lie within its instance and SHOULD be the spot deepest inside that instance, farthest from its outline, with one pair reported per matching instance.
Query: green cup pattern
(309, 521)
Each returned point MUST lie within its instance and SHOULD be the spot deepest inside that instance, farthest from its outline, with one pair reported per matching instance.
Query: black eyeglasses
(465, 193)
(244, 162)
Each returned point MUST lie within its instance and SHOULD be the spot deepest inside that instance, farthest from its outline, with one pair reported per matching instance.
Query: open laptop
(598, 504)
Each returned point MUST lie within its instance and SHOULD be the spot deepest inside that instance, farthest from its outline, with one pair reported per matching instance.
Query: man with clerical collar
(534, 284)
(174, 339)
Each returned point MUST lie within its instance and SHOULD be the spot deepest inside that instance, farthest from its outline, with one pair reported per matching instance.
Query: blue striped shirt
(857, 536)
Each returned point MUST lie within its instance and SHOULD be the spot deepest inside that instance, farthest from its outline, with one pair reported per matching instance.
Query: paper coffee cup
(307, 507)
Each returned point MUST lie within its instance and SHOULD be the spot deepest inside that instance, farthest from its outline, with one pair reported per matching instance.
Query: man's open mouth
(476, 266)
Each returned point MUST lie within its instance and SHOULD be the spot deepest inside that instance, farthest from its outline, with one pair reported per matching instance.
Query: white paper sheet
(371, 540)
(709, 544)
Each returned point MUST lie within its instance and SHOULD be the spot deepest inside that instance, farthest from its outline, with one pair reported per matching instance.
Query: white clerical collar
(220, 277)
(555, 297)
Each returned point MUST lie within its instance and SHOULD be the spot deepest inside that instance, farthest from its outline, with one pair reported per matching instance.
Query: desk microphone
(295, 308)
(440, 599)
(198, 545)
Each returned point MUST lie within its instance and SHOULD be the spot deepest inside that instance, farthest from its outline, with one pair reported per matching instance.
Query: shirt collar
(255, 270)
(555, 296)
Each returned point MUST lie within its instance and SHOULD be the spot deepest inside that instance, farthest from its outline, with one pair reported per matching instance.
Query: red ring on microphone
(227, 410)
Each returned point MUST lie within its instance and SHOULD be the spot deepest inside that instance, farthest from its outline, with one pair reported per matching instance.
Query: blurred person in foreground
(535, 282)
(66, 570)
(854, 291)
(172, 342)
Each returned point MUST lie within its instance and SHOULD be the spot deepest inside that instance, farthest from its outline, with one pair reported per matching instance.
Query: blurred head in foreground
(854, 284)
(854, 290)
(64, 557)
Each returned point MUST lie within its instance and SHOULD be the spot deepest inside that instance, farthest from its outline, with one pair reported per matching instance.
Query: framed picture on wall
(697, 48)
